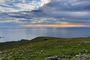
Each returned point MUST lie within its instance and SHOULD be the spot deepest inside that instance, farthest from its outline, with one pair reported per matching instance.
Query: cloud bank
(22, 12)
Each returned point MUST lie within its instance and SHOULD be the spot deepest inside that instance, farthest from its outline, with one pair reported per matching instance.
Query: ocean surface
(18, 34)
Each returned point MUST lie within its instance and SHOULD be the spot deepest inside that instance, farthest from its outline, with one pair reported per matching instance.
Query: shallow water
(18, 34)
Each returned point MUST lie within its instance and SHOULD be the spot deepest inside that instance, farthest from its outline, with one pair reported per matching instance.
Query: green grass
(42, 47)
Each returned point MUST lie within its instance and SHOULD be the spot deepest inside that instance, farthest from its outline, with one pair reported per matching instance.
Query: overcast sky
(16, 13)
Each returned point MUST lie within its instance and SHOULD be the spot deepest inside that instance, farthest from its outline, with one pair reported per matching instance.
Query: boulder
(55, 58)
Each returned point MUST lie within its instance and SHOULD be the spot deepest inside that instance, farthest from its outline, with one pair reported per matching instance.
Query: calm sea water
(18, 34)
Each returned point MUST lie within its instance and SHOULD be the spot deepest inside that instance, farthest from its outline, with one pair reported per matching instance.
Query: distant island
(46, 48)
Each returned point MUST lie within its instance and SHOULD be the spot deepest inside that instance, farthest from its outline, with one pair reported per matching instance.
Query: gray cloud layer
(57, 11)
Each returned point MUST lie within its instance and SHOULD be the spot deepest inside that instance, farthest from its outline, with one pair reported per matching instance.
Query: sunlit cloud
(26, 12)
(66, 25)
(21, 5)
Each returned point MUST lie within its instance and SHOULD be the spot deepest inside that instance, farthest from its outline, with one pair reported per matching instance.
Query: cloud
(10, 20)
(76, 9)
(73, 5)
(39, 20)
(21, 5)
(54, 25)
(79, 14)
(24, 12)
(43, 20)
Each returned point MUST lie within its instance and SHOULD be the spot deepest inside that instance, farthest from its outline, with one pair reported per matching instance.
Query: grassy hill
(43, 47)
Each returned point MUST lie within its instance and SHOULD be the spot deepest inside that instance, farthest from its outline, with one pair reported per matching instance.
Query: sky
(21, 13)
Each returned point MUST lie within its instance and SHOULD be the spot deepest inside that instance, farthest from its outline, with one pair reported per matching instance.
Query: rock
(55, 58)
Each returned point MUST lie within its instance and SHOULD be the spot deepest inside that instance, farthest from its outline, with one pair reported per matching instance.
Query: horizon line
(55, 25)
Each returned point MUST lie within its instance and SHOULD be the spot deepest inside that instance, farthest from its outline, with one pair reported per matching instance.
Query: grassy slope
(42, 47)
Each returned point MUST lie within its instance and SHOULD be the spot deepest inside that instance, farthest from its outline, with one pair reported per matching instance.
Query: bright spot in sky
(21, 5)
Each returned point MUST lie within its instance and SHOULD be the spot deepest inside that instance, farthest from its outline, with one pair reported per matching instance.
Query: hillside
(43, 47)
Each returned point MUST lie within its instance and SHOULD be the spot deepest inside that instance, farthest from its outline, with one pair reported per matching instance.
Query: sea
(15, 34)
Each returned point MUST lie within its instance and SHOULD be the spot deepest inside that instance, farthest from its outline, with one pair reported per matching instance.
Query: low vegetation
(44, 47)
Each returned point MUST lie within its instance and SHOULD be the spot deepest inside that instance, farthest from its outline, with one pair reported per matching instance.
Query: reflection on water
(18, 34)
